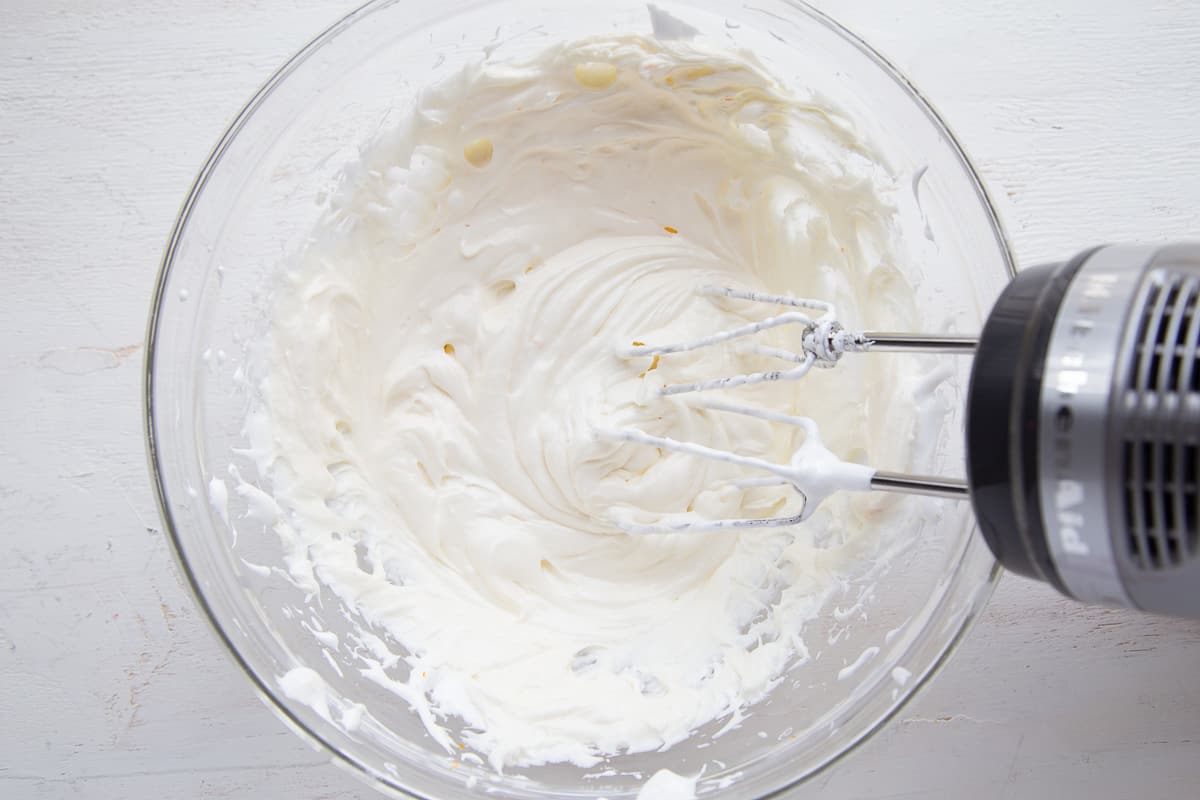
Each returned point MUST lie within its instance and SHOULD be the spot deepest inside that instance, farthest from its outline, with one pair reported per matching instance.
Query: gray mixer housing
(1083, 427)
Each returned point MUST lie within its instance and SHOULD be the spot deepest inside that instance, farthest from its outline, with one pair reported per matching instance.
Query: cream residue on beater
(443, 352)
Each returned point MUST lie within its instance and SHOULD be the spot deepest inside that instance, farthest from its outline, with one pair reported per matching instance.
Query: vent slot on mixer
(1162, 392)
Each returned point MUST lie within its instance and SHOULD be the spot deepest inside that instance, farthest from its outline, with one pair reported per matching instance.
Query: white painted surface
(1081, 115)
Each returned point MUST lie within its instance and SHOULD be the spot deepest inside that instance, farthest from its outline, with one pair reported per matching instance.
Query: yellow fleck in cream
(595, 74)
(669, 229)
(448, 349)
(684, 74)
(479, 152)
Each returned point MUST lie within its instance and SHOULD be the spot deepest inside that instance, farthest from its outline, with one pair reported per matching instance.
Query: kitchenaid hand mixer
(1082, 423)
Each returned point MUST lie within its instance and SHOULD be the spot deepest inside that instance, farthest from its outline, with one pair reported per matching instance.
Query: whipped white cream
(444, 351)
(666, 785)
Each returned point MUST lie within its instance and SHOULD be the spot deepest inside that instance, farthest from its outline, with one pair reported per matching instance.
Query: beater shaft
(900, 483)
(891, 342)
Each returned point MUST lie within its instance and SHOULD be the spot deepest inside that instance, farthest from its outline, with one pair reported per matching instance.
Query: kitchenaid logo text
(1070, 378)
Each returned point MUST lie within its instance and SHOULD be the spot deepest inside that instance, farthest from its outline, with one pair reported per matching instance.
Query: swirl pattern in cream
(444, 351)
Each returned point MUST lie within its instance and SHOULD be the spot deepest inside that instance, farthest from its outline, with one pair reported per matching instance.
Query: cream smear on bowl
(444, 351)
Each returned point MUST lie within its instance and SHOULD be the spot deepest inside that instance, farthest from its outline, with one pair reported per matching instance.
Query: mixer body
(1083, 427)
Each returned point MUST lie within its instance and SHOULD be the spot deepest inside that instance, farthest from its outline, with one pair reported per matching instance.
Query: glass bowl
(255, 202)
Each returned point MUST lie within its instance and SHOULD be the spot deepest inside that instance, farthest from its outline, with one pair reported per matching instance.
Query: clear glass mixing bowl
(255, 202)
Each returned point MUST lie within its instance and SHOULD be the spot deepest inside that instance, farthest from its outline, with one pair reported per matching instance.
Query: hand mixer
(1082, 423)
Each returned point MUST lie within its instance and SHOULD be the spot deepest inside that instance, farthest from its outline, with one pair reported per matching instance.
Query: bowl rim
(271, 697)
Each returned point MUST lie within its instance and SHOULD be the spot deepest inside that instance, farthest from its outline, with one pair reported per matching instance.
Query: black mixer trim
(1002, 418)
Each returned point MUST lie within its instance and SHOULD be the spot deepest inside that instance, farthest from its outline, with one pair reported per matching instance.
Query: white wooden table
(1085, 121)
